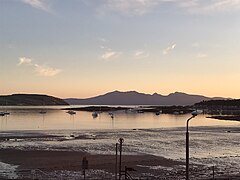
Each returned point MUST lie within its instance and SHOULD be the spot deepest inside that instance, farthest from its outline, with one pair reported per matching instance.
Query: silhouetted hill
(30, 100)
(224, 103)
(136, 98)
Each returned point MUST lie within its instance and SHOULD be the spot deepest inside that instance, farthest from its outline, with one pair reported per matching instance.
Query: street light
(194, 114)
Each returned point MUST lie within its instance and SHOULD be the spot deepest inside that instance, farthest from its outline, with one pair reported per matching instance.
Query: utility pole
(84, 166)
(121, 140)
(116, 160)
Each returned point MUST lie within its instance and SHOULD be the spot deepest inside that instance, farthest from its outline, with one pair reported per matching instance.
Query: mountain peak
(179, 93)
(136, 98)
(123, 92)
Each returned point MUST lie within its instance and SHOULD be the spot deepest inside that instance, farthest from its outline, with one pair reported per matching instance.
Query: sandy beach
(35, 164)
(54, 161)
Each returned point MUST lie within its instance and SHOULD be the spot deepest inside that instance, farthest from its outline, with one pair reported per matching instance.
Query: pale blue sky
(82, 48)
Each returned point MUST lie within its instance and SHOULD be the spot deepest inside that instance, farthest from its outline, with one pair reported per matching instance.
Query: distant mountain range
(111, 98)
(30, 100)
(136, 98)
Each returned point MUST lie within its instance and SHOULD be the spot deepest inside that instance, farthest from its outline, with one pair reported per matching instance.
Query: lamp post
(194, 114)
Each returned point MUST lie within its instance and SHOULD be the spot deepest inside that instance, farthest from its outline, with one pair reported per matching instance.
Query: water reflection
(43, 120)
(71, 120)
(30, 119)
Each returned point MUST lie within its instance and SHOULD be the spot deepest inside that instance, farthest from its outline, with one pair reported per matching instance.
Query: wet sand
(49, 161)
(69, 165)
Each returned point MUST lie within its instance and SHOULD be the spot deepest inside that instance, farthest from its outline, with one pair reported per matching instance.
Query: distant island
(220, 103)
(136, 98)
(221, 107)
(30, 100)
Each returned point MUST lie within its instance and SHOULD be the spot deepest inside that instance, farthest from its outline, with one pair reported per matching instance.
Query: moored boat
(111, 115)
(71, 112)
(42, 112)
(94, 114)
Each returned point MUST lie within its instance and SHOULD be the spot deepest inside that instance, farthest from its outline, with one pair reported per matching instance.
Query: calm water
(29, 118)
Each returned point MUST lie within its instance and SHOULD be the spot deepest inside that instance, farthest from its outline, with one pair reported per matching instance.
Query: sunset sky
(83, 48)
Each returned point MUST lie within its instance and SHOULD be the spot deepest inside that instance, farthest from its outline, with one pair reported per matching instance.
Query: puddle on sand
(8, 171)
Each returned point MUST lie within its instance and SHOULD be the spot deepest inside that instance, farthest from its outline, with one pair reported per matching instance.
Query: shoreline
(227, 118)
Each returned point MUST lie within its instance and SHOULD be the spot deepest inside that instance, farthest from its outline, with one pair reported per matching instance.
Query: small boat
(94, 114)
(72, 136)
(71, 112)
(111, 115)
(42, 112)
(158, 113)
(3, 113)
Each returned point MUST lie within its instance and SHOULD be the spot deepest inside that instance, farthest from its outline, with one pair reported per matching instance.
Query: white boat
(140, 111)
(94, 114)
(71, 112)
(3, 113)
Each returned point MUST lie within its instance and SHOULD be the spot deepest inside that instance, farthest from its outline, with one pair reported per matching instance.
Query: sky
(84, 48)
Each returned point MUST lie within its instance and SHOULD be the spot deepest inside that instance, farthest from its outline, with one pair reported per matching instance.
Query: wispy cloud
(108, 55)
(38, 4)
(141, 54)
(129, 7)
(105, 48)
(142, 7)
(168, 49)
(42, 70)
(209, 6)
(25, 61)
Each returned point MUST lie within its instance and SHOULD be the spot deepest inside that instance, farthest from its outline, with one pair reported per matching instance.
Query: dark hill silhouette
(226, 103)
(30, 100)
(136, 98)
